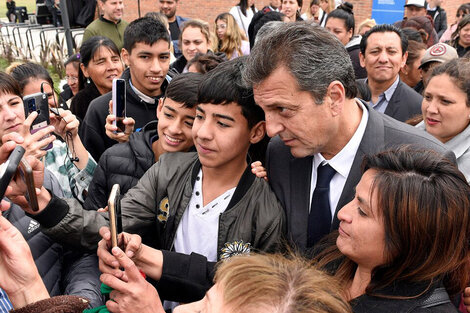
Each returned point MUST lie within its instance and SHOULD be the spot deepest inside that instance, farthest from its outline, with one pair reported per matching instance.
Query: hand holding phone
(26, 174)
(114, 211)
(119, 103)
(38, 102)
(9, 168)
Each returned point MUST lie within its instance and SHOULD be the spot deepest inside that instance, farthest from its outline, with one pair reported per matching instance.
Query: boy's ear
(125, 56)
(258, 132)
(159, 107)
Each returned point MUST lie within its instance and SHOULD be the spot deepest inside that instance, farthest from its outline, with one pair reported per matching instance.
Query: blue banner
(387, 11)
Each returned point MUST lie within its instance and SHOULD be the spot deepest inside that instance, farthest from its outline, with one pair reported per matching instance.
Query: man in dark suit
(303, 79)
(383, 53)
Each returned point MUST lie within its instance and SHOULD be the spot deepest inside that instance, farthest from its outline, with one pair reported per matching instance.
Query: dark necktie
(319, 219)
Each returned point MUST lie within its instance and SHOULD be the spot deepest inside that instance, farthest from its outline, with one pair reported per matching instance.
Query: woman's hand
(134, 294)
(33, 143)
(111, 130)
(17, 188)
(65, 122)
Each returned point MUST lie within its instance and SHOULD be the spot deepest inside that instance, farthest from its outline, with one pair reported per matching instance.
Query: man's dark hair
(223, 85)
(146, 30)
(183, 89)
(384, 28)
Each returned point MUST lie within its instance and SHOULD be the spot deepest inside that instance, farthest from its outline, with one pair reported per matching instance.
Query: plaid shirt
(74, 182)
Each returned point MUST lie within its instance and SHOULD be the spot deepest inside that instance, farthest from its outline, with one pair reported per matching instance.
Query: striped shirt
(5, 304)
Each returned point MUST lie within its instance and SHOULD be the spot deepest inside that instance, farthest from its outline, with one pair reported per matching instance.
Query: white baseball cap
(416, 3)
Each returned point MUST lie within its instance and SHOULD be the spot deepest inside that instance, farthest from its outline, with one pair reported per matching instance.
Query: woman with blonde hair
(230, 39)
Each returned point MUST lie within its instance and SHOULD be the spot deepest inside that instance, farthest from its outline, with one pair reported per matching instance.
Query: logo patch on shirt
(163, 210)
(33, 225)
(231, 249)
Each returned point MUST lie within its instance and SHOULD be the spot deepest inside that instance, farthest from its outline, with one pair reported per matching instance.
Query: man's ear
(125, 56)
(84, 70)
(159, 107)
(361, 60)
(404, 69)
(337, 94)
(258, 132)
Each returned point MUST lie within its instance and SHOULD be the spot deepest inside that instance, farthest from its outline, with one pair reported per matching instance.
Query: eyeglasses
(221, 26)
(72, 79)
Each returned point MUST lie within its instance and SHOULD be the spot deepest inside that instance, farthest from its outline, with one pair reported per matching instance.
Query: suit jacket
(290, 177)
(404, 104)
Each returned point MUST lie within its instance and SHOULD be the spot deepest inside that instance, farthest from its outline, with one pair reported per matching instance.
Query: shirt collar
(459, 144)
(141, 95)
(343, 161)
(108, 21)
(391, 90)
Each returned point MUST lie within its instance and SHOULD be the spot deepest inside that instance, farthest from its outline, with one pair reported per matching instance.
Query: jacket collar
(108, 21)
(243, 185)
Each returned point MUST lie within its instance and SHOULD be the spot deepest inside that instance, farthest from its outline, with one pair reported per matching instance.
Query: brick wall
(209, 9)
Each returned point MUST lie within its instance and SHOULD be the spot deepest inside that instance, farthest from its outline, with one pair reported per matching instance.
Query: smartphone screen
(119, 103)
(9, 168)
(38, 102)
(114, 211)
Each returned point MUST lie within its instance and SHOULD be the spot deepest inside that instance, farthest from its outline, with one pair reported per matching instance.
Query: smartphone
(114, 211)
(119, 103)
(9, 168)
(26, 174)
(38, 102)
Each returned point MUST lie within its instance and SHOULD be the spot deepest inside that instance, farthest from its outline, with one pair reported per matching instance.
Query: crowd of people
(269, 161)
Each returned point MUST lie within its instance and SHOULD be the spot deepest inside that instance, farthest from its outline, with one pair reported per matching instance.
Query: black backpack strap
(438, 296)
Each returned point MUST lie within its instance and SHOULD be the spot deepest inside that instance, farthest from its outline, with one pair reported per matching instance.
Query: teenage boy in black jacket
(147, 54)
(126, 163)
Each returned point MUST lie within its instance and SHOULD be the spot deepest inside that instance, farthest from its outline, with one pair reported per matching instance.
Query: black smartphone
(26, 174)
(9, 168)
(38, 102)
(114, 211)
(119, 103)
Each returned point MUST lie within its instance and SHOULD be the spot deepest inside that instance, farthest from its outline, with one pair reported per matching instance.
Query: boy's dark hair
(183, 89)
(384, 28)
(223, 85)
(25, 72)
(146, 30)
(259, 20)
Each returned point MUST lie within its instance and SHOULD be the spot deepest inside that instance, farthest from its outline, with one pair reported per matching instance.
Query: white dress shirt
(341, 162)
